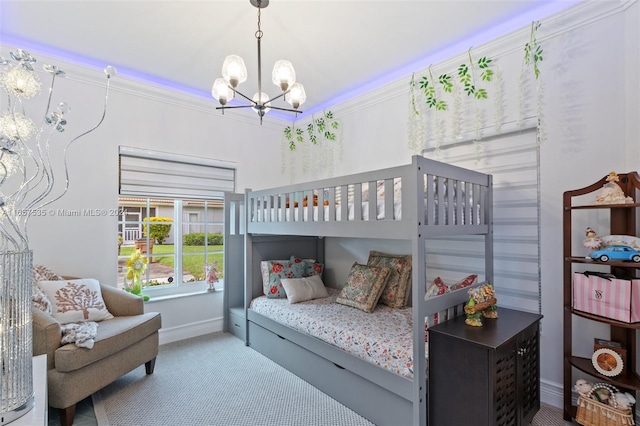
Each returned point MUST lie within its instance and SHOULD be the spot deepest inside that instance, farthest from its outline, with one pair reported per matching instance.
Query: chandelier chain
(259, 32)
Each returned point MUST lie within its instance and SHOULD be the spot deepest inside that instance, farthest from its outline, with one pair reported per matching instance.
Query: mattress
(383, 337)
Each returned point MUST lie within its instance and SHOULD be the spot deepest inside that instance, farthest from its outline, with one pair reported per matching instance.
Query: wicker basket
(595, 413)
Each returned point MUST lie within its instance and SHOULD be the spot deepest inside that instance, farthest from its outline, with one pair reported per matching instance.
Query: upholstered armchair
(121, 344)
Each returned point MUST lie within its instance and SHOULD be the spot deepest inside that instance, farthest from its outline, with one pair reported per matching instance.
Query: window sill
(193, 289)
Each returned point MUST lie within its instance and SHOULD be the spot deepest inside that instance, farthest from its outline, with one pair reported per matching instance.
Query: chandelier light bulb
(261, 107)
(283, 75)
(297, 96)
(234, 70)
(221, 91)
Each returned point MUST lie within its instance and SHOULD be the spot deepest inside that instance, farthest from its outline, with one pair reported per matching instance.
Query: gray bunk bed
(419, 201)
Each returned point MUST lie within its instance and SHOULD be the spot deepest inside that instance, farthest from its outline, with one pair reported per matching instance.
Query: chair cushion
(113, 335)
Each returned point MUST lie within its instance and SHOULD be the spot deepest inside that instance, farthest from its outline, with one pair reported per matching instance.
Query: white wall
(590, 113)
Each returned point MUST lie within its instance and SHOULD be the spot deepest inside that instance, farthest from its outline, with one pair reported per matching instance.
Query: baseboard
(187, 331)
(551, 393)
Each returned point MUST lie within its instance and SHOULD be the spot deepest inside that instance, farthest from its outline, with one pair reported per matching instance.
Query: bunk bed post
(488, 240)
(234, 235)
(248, 260)
(415, 192)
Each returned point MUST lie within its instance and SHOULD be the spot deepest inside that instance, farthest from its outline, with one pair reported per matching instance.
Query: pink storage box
(607, 296)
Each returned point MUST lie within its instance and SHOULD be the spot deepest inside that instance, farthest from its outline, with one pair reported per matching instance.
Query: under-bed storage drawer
(237, 325)
(373, 402)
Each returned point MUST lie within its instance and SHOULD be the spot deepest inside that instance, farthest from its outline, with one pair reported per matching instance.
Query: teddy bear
(583, 387)
(624, 400)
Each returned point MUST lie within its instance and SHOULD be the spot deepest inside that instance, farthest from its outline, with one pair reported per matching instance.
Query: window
(172, 211)
(177, 250)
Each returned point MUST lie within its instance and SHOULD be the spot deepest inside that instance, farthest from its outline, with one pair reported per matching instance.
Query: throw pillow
(273, 271)
(365, 285)
(313, 268)
(303, 289)
(437, 288)
(76, 300)
(398, 287)
(42, 273)
(40, 301)
(465, 282)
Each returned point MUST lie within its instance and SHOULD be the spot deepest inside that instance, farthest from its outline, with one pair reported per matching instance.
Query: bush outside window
(179, 237)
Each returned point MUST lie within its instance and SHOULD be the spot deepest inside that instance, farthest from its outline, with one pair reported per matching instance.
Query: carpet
(216, 380)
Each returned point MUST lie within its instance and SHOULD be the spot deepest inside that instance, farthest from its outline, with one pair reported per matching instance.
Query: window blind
(511, 157)
(160, 174)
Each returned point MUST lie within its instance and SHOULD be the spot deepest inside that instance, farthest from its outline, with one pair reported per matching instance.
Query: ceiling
(338, 48)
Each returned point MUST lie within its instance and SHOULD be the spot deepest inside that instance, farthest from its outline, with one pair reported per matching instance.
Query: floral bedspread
(383, 337)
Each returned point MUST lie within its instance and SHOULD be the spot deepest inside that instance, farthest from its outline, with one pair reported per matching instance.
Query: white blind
(511, 157)
(161, 174)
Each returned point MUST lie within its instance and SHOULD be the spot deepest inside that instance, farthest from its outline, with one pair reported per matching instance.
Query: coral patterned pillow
(38, 298)
(76, 300)
(43, 273)
(273, 271)
(365, 285)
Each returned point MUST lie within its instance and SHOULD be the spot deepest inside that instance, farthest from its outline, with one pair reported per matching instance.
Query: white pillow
(302, 289)
(76, 300)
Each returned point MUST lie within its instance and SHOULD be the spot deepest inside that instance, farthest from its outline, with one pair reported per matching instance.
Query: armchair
(123, 343)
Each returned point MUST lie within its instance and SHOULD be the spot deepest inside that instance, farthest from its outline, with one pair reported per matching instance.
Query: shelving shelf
(623, 220)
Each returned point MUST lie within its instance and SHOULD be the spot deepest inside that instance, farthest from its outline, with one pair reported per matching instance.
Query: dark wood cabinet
(622, 219)
(487, 375)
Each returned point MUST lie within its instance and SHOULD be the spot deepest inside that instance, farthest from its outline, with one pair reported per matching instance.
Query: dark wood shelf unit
(603, 206)
(617, 264)
(587, 315)
(623, 220)
(629, 381)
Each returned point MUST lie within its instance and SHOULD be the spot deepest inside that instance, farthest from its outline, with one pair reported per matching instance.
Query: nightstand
(487, 375)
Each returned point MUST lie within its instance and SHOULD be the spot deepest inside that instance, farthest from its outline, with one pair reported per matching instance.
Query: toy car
(616, 253)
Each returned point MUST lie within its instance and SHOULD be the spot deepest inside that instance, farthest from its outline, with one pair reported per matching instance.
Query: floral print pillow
(273, 271)
(399, 285)
(313, 268)
(365, 285)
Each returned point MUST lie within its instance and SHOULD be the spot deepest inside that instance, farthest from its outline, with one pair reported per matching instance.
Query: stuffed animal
(583, 387)
(481, 304)
(624, 400)
(211, 272)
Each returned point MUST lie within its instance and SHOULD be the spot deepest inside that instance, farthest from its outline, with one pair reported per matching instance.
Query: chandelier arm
(238, 93)
(235, 106)
(297, 111)
(277, 97)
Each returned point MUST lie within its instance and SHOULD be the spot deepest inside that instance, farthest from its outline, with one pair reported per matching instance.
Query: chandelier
(234, 72)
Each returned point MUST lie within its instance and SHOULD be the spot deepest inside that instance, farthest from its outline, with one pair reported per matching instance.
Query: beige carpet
(204, 381)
